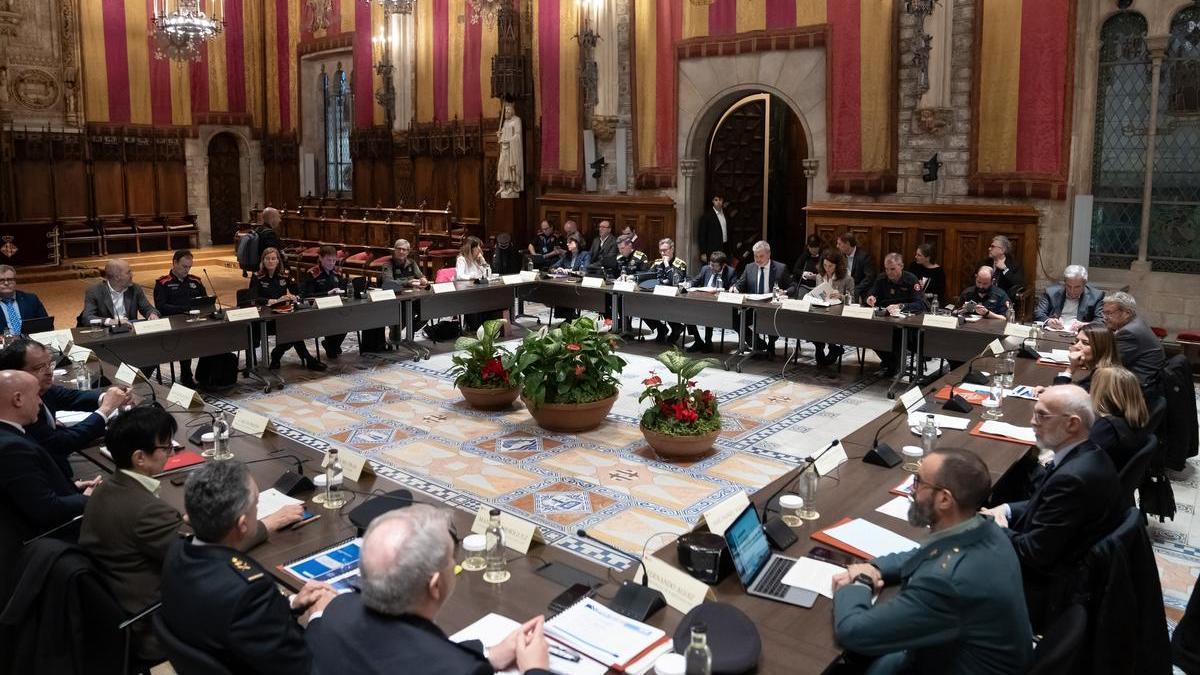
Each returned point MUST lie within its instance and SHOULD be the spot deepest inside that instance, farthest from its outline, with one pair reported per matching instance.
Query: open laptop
(761, 571)
(39, 325)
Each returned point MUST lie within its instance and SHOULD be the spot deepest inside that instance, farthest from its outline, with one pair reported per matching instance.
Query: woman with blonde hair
(1122, 419)
(274, 287)
(1094, 348)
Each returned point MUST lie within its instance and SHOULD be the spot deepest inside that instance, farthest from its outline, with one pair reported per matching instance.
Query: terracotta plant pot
(490, 398)
(681, 447)
(571, 417)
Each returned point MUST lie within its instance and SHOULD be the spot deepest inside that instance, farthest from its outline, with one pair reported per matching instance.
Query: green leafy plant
(681, 409)
(480, 363)
(573, 363)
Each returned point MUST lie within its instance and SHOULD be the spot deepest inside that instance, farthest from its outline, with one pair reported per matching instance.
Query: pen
(302, 523)
(560, 653)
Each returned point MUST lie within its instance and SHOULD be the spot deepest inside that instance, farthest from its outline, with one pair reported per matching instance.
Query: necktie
(1050, 467)
(762, 282)
(13, 316)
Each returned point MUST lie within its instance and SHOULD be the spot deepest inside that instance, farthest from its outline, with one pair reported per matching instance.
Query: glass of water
(995, 397)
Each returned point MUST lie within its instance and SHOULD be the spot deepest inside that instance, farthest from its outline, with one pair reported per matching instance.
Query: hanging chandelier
(396, 6)
(181, 33)
(485, 11)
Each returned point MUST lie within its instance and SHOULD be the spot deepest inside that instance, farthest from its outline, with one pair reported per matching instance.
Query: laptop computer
(761, 571)
(39, 325)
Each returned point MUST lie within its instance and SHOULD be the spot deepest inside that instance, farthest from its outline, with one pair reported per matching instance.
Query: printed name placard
(518, 533)
(912, 399)
(1017, 330)
(381, 294)
(669, 291)
(444, 287)
(681, 591)
(938, 321)
(858, 311)
(328, 301)
(593, 282)
(243, 314)
(251, 423)
(79, 354)
(55, 339)
(126, 374)
(721, 516)
(731, 298)
(528, 275)
(797, 305)
(624, 286)
(511, 279)
(148, 327)
(353, 464)
(996, 346)
(830, 460)
(181, 396)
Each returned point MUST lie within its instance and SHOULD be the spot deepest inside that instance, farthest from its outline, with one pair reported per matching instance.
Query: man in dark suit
(116, 299)
(1140, 349)
(32, 487)
(714, 229)
(1009, 276)
(407, 569)
(16, 307)
(761, 276)
(1076, 502)
(716, 275)
(859, 263)
(604, 247)
(222, 602)
(61, 440)
(1070, 303)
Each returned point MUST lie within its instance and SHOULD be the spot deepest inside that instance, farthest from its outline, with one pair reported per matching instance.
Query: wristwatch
(866, 580)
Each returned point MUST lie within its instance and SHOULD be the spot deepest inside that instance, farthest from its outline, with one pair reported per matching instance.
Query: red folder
(181, 460)
(840, 545)
(976, 432)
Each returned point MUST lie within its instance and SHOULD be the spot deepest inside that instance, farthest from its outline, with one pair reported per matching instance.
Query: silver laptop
(761, 571)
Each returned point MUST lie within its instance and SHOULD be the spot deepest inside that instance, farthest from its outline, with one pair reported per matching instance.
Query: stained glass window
(335, 90)
(1119, 146)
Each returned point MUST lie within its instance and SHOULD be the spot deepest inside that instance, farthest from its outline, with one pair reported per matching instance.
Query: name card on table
(518, 533)
(327, 301)
(669, 291)
(79, 354)
(251, 423)
(797, 305)
(381, 294)
(528, 275)
(1017, 330)
(731, 298)
(243, 314)
(830, 459)
(682, 591)
(55, 339)
(624, 286)
(721, 516)
(181, 396)
(148, 327)
(996, 346)
(126, 374)
(593, 282)
(444, 287)
(513, 279)
(353, 464)
(912, 399)
(858, 311)
(938, 321)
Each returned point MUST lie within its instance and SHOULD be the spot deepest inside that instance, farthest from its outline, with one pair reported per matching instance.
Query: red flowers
(651, 381)
(580, 370)
(682, 412)
(493, 371)
(573, 347)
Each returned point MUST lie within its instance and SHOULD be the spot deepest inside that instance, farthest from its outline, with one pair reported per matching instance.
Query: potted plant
(568, 375)
(683, 421)
(483, 370)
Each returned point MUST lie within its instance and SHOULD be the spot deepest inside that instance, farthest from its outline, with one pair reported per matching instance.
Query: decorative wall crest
(35, 89)
(318, 14)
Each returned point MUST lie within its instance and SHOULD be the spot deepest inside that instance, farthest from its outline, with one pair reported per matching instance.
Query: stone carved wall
(40, 63)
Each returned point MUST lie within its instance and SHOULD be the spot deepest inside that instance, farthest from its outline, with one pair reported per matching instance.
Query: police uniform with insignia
(172, 296)
(318, 283)
(994, 298)
(265, 287)
(222, 602)
(667, 273)
(906, 292)
(633, 264)
(960, 608)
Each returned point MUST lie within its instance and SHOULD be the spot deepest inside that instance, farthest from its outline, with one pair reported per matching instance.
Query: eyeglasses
(1043, 416)
(454, 536)
(918, 482)
(8, 280)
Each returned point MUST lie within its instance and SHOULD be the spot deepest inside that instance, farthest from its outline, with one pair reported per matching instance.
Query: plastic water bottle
(933, 304)
(9, 337)
(698, 656)
(1012, 314)
(497, 564)
(221, 449)
(334, 497)
(929, 434)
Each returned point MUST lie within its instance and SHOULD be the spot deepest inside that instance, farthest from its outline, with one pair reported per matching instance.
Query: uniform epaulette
(679, 263)
(250, 573)
(164, 278)
(315, 270)
(638, 255)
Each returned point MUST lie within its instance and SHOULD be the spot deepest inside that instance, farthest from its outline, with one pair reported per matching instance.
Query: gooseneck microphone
(956, 403)
(219, 312)
(139, 375)
(636, 601)
(883, 454)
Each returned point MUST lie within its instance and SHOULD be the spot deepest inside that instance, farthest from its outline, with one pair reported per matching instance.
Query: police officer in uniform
(991, 302)
(325, 279)
(274, 286)
(896, 291)
(668, 271)
(546, 246)
(177, 292)
(220, 601)
(630, 262)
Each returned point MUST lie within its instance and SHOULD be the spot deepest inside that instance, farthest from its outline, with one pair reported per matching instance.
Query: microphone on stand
(219, 312)
(882, 454)
(291, 482)
(778, 533)
(139, 375)
(636, 601)
(956, 403)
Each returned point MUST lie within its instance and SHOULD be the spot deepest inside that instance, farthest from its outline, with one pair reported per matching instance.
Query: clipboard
(840, 545)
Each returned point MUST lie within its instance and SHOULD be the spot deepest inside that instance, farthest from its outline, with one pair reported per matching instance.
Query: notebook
(600, 634)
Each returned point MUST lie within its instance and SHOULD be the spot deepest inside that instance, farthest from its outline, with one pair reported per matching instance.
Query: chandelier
(485, 10)
(396, 6)
(181, 33)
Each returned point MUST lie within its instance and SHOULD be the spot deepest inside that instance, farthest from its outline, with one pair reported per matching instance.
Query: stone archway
(709, 85)
(251, 171)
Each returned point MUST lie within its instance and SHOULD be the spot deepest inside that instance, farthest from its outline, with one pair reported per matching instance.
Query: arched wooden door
(224, 187)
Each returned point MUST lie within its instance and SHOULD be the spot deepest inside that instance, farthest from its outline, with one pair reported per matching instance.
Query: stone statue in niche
(510, 168)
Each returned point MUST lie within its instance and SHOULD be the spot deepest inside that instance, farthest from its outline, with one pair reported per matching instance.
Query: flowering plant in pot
(483, 370)
(683, 420)
(568, 375)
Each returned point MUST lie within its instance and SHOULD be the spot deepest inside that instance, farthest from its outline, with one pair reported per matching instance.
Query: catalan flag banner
(1021, 112)
(281, 26)
(556, 90)
(860, 42)
(453, 64)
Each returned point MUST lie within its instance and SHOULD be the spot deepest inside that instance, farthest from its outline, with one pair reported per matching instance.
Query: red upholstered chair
(443, 275)
(1159, 331)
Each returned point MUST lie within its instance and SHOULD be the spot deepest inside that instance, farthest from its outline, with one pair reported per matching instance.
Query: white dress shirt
(724, 227)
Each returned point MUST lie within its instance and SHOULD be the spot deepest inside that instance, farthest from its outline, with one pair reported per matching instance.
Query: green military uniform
(960, 609)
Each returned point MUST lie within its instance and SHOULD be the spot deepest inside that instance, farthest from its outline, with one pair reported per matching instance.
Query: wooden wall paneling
(382, 190)
(467, 201)
(423, 180)
(109, 187)
(172, 187)
(354, 232)
(34, 190)
(139, 178)
(653, 217)
(70, 188)
(894, 241)
(363, 184)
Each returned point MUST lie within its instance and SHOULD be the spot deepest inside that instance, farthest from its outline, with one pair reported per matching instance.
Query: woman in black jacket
(925, 268)
(1122, 420)
(273, 287)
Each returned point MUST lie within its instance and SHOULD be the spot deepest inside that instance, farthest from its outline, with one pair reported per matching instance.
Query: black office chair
(184, 658)
(1057, 653)
(1134, 471)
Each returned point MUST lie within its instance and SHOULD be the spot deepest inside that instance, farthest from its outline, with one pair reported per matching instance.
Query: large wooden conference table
(795, 640)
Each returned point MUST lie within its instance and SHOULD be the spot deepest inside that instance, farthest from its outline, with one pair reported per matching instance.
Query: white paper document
(600, 633)
(493, 628)
(759, 296)
(917, 420)
(1057, 356)
(69, 418)
(813, 575)
(896, 508)
(870, 538)
(271, 500)
(996, 428)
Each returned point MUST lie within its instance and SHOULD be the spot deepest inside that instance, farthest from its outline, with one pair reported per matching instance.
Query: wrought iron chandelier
(396, 6)
(485, 10)
(181, 33)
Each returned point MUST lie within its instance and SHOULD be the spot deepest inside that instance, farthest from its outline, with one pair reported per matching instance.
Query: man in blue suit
(16, 307)
(763, 275)
(716, 274)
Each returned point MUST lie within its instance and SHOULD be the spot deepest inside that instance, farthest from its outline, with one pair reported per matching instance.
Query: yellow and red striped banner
(453, 64)
(1022, 115)
(556, 89)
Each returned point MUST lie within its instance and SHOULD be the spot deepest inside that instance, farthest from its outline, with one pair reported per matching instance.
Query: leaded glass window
(335, 91)
(1119, 148)
(1175, 190)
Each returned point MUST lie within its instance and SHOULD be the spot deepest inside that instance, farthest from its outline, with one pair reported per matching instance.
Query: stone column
(1158, 48)
(195, 154)
(404, 56)
(686, 213)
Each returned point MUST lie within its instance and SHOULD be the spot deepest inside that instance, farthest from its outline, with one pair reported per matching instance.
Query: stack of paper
(870, 538)
(896, 508)
(602, 635)
(997, 428)
(493, 628)
(813, 575)
(271, 500)
(1060, 356)
(917, 420)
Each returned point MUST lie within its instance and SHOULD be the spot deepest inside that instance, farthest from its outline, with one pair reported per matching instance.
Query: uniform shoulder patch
(679, 263)
(163, 279)
(638, 255)
(315, 270)
(245, 569)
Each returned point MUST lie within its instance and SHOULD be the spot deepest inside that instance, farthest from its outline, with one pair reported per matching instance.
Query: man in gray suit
(117, 299)
(762, 276)
(1140, 349)
(1071, 303)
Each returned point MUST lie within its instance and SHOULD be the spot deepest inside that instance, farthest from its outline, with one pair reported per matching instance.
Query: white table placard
(444, 287)
(518, 533)
(681, 590)
(593, 282)
(996, 346)
(328, 301)
(858, 311)
(1017, 330)
(513, 279)
(353, 465)
(797, 305)
(624, 286)
(912, 399)
(721, 516)
(243, 314)
(251, 423)
(669, 291)
(155, 326)
(126, 374)
(181, 396)
(939, 321)
(381, 294)
(529, 275)
(830, 459)
(731, 298)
